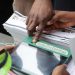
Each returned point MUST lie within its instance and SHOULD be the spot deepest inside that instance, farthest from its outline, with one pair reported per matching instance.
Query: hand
(40, 13)
(58, 25)
(62, 19)
(60, 70)
(9, 48)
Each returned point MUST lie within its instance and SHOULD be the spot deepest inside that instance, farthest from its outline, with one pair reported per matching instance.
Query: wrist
(43, 0)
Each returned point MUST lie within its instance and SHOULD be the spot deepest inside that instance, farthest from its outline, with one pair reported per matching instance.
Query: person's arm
(23, 6)
(62, 19)
(40, 13)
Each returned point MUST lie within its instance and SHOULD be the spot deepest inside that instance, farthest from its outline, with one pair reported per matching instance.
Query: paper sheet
(15, 25)
(17, 20)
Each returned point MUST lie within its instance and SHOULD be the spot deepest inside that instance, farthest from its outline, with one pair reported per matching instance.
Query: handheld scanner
(47, 46)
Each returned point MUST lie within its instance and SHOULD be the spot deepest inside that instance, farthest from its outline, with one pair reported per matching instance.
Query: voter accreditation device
(55, 42)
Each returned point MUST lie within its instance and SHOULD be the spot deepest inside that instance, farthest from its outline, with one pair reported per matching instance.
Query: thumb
(63, 67)
(55, 18)
(9, 48)
(60, 70)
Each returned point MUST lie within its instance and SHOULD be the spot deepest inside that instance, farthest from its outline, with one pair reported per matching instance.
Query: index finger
(38, 33)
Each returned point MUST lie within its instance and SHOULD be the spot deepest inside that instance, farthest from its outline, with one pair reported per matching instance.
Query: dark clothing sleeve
(65, 5)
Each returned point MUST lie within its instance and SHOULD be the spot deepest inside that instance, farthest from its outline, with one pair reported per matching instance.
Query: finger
(63, 67)
(55, 26)
(60, 25)
(48, 28)
(60, 70)
(68, 24)
(38, 33)
(33, 25)
(31, 33)
(32, 30)
(58, 16)
(53, 20)
(9, 48)
(27, 21)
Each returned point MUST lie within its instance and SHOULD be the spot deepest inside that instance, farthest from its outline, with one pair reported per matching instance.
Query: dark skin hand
(60, 70)
(62, 19)
(40, 13)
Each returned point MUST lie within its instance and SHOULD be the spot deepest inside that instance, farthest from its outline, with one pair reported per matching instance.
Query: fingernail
(28, 27)
(65, 65)
(34, 41)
